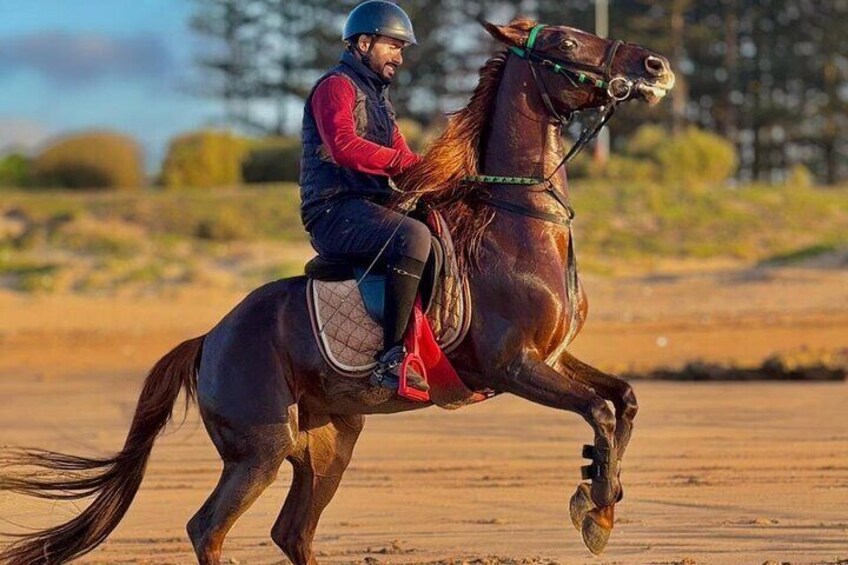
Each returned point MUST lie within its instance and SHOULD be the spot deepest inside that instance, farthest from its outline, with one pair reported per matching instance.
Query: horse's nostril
(654, 65)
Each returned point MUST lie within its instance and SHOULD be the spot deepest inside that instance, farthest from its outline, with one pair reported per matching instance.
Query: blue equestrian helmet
(378, 17)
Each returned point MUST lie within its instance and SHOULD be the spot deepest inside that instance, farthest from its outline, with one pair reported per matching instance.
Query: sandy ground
(717, 472)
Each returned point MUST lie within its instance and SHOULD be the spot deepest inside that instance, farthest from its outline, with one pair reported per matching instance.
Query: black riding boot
(402, 280)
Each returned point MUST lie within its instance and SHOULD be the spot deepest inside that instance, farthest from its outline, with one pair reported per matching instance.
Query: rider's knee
(413, 240)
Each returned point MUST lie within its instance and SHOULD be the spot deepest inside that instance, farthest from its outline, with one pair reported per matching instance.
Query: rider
(351, 149)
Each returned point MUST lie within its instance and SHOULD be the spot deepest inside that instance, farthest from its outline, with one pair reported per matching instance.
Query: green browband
(531, 39)
(527, 53)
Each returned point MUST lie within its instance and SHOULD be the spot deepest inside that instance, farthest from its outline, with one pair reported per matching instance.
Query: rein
(616, 89)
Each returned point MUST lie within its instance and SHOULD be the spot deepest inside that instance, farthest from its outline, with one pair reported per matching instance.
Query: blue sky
(126, 65)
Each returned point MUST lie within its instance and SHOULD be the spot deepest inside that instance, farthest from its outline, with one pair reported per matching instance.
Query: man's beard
(366, 59)
(393, 72)
(379, 72)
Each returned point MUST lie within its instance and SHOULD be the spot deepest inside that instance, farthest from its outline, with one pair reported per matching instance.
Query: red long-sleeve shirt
(332, 106)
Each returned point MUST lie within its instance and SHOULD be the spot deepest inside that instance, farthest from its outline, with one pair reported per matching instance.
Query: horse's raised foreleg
(621, 394)
(324, 449)
(530, 378)
(611, 388)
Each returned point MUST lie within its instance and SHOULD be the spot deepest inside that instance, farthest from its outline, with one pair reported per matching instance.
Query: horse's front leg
(617, 391)
(529, 377)
(621, 395)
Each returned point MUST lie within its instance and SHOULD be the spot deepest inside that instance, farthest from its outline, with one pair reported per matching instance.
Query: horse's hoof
(580, 504)
(596, 529)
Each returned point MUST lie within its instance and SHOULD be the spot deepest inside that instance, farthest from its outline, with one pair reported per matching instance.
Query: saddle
(347, 320)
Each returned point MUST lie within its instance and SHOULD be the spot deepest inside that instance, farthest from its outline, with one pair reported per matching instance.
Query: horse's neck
(522, 141)
(523, 258)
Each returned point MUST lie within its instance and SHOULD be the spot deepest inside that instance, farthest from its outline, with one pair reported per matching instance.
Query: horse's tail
(113, 482)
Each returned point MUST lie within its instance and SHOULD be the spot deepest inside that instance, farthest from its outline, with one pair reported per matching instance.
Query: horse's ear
(505, 34)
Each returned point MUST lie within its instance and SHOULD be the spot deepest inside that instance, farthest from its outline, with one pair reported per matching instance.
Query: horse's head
(581, 70)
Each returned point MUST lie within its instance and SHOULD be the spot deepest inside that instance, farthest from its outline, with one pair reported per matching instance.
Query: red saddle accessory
(424, 353)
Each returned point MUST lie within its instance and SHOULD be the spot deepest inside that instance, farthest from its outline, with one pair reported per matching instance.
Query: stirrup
(395, 371)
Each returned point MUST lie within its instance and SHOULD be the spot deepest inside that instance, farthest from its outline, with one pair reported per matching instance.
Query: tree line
(771, 76)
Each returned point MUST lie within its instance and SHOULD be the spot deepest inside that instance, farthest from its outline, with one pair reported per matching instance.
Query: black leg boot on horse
(402, 281)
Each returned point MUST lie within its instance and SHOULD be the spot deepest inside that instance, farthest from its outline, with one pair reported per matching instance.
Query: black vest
(323, 181)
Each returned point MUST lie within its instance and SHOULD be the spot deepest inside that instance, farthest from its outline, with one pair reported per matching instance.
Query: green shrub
(29, 275)
(88, 236)
(15, 170)
(624, 168)
(97, 159)
(800, 177)
(696, 156)
(275, 159)
(224, 224)
(204, 159)
(645, 142)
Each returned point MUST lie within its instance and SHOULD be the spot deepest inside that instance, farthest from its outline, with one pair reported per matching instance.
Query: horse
(265, 393)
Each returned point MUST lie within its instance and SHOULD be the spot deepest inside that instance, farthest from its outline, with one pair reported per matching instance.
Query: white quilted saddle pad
(350, 339)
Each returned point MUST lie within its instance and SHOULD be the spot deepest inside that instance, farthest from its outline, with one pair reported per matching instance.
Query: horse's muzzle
(653, 92)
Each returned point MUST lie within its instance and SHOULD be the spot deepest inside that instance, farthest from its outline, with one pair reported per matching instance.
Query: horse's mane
(438, 180)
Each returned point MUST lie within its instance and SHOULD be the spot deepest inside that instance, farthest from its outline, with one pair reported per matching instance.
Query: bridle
(616, 89)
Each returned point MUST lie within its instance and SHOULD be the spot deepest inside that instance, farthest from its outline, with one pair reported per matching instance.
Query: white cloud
(78, 58)
(21, 135)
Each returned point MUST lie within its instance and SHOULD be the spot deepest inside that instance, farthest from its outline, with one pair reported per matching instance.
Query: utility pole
(602, 146)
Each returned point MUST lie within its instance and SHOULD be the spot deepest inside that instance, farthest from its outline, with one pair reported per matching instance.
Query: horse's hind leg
(324, 448)
(252, 458)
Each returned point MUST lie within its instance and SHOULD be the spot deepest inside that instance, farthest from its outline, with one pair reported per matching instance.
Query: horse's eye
(568, 44)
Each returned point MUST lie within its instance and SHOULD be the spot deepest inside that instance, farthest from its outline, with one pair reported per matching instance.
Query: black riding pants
(358, 229)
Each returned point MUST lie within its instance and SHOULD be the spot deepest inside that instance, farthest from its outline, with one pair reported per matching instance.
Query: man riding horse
(266, 392)
(351, 149)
